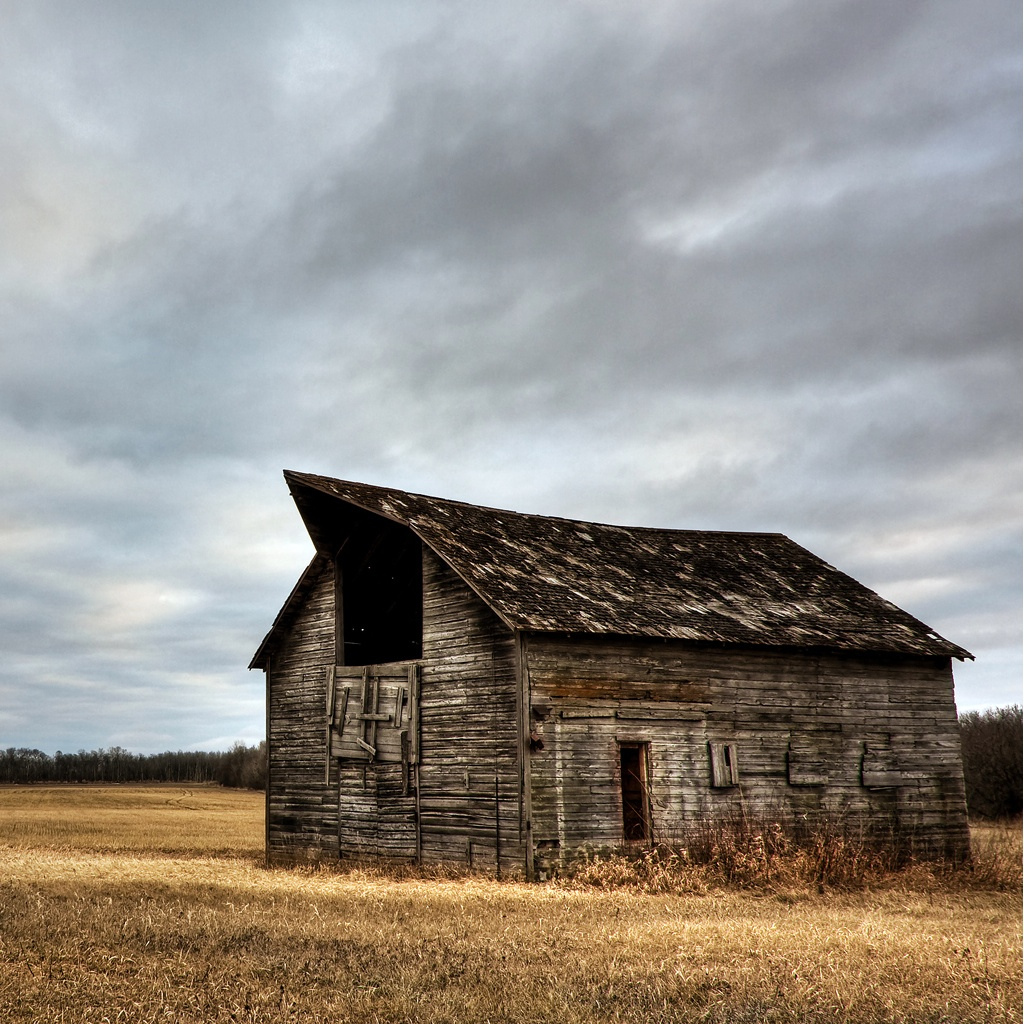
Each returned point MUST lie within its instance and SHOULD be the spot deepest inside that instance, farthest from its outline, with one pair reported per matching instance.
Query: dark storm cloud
(533, 207)
(735, 265)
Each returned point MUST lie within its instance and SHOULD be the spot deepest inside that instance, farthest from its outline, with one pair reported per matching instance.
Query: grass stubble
(164, 912)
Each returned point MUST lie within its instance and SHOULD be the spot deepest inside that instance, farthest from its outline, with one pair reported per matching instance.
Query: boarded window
(725, 769)
(373, 713)
(880, 767)
(807, 760)
(636, 817)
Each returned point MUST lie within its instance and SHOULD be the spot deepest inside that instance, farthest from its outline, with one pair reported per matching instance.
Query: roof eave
(947, 650)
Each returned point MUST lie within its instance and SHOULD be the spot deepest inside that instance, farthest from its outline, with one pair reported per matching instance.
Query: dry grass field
(147, 904)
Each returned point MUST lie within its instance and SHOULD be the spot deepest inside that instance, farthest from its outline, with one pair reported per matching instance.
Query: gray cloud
(720, 265)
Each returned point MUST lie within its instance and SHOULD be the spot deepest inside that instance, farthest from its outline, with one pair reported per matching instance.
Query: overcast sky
(713, 264)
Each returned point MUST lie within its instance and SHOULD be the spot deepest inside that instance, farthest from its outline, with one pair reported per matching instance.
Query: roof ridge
(534, 515)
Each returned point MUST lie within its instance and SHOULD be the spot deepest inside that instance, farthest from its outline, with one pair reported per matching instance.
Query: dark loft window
(381, 587)
(378, 580)
(636, 820)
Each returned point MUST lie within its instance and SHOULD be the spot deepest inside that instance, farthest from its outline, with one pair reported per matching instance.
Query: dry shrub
(653, 870)
(996, 855)
(838, 858)
(741, 853)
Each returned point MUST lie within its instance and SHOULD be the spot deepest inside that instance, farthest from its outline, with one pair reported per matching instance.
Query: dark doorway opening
(636, 818)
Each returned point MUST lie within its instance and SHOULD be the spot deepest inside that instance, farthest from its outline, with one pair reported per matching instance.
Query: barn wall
(302, 813)
(808, 733)
(469, 772)
(864, 742)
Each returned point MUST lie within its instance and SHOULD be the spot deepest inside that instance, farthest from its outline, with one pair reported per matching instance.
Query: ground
(147, 904)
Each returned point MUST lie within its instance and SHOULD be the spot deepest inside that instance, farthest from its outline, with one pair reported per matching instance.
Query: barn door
(373, 732)
(636, 807)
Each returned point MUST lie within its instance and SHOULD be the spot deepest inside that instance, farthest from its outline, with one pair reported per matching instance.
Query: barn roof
(544, 574)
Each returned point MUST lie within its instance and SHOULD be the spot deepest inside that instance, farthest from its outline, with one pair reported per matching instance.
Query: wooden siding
(377, 811)
(469, 771)
(348, 805)
(862, 742)
(302, 813)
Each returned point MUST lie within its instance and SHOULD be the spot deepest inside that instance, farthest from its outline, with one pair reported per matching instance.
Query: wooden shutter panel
(725, 770)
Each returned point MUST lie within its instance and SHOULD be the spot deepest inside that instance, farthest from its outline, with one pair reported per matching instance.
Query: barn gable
(539, 684)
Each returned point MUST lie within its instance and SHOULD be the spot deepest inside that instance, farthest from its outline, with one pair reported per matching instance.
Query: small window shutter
(725, 769)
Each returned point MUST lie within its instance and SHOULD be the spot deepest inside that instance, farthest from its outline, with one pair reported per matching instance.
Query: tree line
(241, 767)
(992, 742)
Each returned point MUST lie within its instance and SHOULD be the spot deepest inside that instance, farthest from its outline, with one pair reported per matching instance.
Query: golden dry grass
(125, 932)
(152, 819)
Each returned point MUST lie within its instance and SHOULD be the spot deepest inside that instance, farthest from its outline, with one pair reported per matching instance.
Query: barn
(452, 683)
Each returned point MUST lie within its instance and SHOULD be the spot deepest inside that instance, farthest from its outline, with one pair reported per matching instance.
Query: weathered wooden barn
(454, 683)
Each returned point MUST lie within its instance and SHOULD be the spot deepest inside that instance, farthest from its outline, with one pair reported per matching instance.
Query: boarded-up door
(373, 732)
(376, 812)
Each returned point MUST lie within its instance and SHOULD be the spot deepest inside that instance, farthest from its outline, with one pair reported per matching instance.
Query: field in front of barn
(138, 904)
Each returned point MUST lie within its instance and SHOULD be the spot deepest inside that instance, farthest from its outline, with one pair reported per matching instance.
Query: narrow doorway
(636, 818)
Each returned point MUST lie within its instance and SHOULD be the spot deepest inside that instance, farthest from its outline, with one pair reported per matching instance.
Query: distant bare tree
(241, 767)
(244, 767)
(992, 749)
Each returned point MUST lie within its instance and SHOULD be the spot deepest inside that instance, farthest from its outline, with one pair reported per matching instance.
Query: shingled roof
(544, 574)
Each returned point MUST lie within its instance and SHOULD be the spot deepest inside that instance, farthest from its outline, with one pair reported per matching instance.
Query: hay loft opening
(378, 567)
